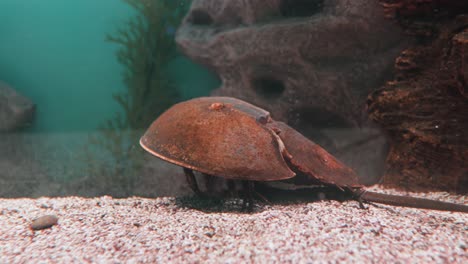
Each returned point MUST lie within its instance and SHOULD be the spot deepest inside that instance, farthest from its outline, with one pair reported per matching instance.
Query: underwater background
(55, 52)
(64, 57)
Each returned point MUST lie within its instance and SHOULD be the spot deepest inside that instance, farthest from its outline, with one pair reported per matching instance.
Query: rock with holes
(311, 63)
(15, 110)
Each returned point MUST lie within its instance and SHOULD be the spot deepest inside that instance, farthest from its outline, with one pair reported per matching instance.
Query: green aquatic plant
(146, 48)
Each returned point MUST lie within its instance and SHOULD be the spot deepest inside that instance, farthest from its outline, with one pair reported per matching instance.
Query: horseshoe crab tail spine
(411, 202)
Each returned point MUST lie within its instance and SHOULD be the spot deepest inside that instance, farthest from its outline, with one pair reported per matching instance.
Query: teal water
(54, 52)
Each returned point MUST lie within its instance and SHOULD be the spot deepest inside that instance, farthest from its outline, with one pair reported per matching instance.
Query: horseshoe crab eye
(264, 119)
(216, 106)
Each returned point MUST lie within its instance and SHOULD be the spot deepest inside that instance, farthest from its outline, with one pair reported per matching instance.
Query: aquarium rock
(15, 110)
(425, 109)
(44, 222)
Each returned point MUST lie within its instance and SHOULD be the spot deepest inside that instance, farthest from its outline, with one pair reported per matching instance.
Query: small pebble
(45, 206)
(44, 222)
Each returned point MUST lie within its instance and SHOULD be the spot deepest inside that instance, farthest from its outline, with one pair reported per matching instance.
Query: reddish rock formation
(425, 109)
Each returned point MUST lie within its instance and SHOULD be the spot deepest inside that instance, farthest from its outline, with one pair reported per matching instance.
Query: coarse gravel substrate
(183, 230)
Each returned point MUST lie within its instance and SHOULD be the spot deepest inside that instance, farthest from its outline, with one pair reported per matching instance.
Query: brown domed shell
(219, 136)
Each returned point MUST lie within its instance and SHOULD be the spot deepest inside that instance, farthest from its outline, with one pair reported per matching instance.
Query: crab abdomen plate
(312, 160)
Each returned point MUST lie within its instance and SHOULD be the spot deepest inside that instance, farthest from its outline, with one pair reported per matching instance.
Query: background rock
(425, 108)
(15, 110)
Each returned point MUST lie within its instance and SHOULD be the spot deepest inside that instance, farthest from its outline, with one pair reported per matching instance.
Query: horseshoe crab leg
(192, 181)
(248, 195)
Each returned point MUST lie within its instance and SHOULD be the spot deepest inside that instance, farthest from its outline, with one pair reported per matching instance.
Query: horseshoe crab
(230, 138)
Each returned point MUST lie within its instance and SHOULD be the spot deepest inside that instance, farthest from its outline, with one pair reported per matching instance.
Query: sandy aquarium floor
(189, 230)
